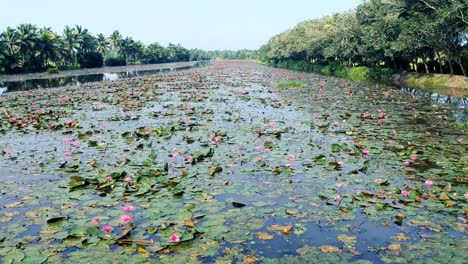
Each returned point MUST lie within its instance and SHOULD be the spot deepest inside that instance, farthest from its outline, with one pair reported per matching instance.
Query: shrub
(90, 60)
(327, 70)
(340, 71)
(379, 74)
(53, 70)
(359, 74)
(115, 61)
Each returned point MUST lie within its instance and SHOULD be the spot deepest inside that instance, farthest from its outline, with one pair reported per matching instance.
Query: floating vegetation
(218, 165)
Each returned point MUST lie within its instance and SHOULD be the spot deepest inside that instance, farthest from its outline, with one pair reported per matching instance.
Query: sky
(204, 24)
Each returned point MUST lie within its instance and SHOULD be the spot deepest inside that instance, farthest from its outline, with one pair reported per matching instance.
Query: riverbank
(107, 69)
(443, 84)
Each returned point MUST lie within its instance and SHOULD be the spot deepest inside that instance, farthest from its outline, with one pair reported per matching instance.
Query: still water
(6, 87)
(461, 104)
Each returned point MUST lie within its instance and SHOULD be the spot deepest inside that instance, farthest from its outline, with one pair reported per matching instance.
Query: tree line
(28, 48)
(426, 36)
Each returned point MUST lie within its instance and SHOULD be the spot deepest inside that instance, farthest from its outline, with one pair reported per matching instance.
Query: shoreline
(105, 69)
(443, 84)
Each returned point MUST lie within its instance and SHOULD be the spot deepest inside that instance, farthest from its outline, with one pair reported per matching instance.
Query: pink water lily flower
(405, 193)
(428, 183)
(125, 219)
(128, 208)
(175, 238)
(337, 198)
(95, 220)
(128, 179)
(378, 181)
(107, 228)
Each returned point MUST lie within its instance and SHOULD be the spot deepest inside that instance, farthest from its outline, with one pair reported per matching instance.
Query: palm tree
(72, 43)
(102, 44)
(87, 42)
(115, 40)
(9, 53)
(126, 48)
(11, 40)
(49, 46)
(29, 38)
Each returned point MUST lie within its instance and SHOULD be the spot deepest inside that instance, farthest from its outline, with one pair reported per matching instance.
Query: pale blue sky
(205, 24)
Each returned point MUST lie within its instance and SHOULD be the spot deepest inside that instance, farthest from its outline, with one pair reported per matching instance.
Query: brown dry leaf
(265, 236)
(13, 205)
(347, 239)
(143, 251)
(400, 216)
(401, 237)
(292, 212)
(189, 223)
(329, 249)
(31, 214)
(48, 231)
(394, 247)
(447, 188)
(215, 169)
(223, 261)
(249, 259)
(314, 204)
(276, 228)
(444, 197)
(11, 214)
(287, 229)
(68, 205)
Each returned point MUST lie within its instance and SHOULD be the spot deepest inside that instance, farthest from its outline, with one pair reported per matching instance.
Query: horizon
(225, 27)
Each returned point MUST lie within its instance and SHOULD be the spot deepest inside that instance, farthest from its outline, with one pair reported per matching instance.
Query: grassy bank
(438, 83)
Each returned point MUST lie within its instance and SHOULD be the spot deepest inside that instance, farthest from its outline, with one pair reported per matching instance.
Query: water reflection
(460, 103)
(6, 87)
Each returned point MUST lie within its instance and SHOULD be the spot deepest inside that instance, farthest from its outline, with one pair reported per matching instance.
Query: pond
(218, 164)
(14, 86)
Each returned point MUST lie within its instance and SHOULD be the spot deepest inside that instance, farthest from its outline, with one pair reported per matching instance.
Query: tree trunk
(415, 66)
(458, 60)
(450, 66)
(426, 67)
(440, 63)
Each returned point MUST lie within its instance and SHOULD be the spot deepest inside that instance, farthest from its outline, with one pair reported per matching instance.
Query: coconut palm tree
(102, 44)
(115, 40)
(29, 38)
(9, 52)
(72, 44)
(48, 46)
(87, 42)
